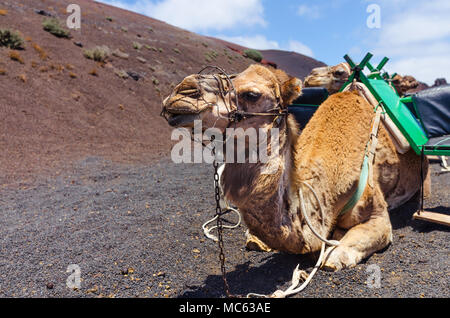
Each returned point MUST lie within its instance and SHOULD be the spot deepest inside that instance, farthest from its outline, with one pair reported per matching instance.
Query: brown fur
(330, 77)
(328, 155)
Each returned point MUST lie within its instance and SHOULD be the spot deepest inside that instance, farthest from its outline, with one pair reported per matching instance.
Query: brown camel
(326, 157)
(333, 77)
(330, 77)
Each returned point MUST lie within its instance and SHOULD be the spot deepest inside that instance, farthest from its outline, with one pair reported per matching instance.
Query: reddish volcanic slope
(57, 106)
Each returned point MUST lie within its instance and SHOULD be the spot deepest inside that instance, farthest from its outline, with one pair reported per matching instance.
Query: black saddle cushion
(312, 96)
(302, 114)
(433, 108)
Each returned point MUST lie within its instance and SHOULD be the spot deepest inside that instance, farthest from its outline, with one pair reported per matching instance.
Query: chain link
(219, 221)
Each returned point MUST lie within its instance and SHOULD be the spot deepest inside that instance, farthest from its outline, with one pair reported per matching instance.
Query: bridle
(236, 115)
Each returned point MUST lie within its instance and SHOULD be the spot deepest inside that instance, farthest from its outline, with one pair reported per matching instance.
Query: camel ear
(291, 90)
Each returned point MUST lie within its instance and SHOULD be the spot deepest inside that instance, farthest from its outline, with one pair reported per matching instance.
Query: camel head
(404, 84)
(212, 98)
(330, 77)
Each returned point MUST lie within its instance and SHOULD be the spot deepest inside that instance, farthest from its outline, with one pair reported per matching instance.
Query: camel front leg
(363, 239)
(253, 243)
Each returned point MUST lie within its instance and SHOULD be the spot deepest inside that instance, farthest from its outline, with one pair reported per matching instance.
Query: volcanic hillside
(60, 100)
(293, 63)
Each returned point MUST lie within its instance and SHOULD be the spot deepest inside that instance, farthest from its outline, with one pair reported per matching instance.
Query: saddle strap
(366, 175)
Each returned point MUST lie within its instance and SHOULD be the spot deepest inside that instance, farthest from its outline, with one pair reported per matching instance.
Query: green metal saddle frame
(395, 106)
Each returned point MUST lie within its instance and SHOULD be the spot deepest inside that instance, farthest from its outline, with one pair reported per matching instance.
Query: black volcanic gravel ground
(135, 231)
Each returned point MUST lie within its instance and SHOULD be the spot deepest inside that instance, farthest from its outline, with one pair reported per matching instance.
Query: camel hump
(342, 111)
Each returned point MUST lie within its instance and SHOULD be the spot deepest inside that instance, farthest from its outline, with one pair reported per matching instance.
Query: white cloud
(200, 15)
(259, 42)
(425, 69)
(312, 12)
(416, 36)
(301, 48)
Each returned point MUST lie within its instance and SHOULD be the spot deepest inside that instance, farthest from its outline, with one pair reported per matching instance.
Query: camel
(330, 77)
(333, 77)
(318, 165)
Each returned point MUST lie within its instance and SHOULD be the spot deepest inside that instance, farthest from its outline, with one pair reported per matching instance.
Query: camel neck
(263, 198)
(269, 203)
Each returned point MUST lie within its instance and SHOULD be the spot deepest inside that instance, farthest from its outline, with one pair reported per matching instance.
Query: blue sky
(414, 34)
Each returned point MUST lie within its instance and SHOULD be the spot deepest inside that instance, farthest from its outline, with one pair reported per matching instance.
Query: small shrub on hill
(137, 45)
(53, 26)
(254, 55)
(23, 78)
(15, 56)
(11, 39)
(93, 72)
(120, 54)
(42, 54)
(98, 54)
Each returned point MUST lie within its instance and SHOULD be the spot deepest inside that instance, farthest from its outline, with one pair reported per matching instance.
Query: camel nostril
(188, 91)
(192, 92)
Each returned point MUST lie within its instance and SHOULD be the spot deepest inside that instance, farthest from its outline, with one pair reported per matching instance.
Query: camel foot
(255, 244)
(340, 257)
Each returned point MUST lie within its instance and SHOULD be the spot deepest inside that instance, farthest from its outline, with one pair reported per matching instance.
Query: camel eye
(250, 96)
(339, 72)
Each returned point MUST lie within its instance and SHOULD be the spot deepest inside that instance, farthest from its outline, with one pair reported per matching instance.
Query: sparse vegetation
(15, 56)
(73, 75)
(110, 19)
(124, 29)
(23, 78)
(93, 72)
(42, 54)
(172, 61)
(205, 44)
(53, 26)
(148, 47)
(3, 12)
(211, 56)
(121, 73)
(11, 39)
(177, 51)
(137, 45)
(141, 59)
(2, 71)
(118, 53)
(155, 81)
(160, 50)
(254, 55)
(98, 54)
(57, 67)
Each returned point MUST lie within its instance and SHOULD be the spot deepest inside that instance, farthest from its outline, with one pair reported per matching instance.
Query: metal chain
(219, 220)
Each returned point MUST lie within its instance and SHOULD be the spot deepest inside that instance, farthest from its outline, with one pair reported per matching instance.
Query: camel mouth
(318, 81)
(182, 120)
